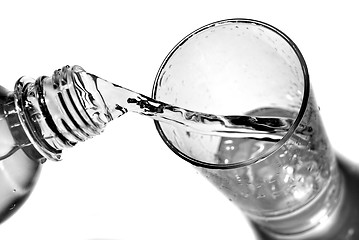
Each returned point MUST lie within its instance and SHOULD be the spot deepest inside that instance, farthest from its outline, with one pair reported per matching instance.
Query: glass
(247, 67)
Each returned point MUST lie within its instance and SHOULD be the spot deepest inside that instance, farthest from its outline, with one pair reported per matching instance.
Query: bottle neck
(58, 112)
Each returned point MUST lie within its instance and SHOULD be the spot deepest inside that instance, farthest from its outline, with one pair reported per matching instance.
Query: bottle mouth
(77, 108)
(61, 110)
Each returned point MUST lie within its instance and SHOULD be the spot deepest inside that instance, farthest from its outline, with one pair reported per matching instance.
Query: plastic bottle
(38, 120)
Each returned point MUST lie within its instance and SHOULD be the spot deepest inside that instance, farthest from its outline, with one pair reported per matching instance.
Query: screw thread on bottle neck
(60, 111)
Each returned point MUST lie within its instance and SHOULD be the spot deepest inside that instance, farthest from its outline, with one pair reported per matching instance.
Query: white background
(125, 184)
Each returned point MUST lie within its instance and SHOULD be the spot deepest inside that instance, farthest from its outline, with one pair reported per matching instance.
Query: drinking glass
(247, 67)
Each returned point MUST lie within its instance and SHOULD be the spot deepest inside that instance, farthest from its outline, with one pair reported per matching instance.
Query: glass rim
(278, 144)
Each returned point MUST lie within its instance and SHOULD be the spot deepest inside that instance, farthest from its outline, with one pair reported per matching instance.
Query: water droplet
(261, 196)
(315, 187)
(290, 170)
(12, 207)
(14, 190)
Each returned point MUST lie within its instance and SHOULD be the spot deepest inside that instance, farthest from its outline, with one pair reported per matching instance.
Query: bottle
(38, 120)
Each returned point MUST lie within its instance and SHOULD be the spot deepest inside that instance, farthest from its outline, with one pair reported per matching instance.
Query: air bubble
(260, 196)
(245, 195)
(12, 207)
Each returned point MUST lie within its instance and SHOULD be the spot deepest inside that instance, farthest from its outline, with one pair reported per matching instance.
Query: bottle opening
(60, 111)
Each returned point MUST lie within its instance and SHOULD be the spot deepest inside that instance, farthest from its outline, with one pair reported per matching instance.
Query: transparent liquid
(292, 191)
(120, 100)
(19, 167)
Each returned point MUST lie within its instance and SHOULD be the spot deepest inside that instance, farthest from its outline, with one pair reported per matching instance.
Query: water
(120, 100)
(292, 191)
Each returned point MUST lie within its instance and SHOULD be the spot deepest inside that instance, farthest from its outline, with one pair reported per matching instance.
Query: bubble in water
(12, 207)
(261, 196)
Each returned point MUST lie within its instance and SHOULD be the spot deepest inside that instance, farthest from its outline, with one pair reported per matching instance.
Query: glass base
(343, 223)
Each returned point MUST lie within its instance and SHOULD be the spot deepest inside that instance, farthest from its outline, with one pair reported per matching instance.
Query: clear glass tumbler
(247, 67)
